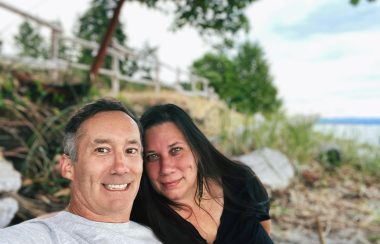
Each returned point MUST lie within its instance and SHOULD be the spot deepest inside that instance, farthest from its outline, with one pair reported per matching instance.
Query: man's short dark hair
(86, 112)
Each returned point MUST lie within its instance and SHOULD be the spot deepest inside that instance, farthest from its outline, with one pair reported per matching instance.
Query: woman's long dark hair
(156, 211)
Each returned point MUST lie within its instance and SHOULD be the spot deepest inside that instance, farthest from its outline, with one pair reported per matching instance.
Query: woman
(190, 192)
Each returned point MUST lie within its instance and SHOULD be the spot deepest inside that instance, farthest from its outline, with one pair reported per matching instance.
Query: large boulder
(272, 167)
(10, 181)
(8, 209)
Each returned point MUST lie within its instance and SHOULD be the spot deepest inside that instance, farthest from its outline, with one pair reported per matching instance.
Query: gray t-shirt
(68, 228)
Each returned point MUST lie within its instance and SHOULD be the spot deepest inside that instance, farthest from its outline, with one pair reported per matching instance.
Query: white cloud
(323, 72)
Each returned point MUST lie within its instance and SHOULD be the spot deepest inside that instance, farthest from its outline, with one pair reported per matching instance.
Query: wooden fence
(57, 62)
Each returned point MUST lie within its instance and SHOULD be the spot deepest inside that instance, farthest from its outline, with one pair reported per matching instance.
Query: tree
(93, 26)
(220, 17)
(30, 42)
(356, 2)
(242, 80)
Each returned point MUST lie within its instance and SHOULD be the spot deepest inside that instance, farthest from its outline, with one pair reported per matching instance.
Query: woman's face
(170, 163)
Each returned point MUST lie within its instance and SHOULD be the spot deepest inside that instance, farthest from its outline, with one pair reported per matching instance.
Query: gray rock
(271, 166)
(10, 179)
(8, 209)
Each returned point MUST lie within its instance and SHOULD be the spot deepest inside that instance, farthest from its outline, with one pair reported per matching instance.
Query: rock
(10, 179)
(271, 166)
(8, 209)
(330, 156)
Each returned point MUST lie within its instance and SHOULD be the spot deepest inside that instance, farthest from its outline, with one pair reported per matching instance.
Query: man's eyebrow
(100, 141)
(134, 141)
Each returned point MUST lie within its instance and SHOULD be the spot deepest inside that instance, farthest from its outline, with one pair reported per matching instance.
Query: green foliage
(243, 80)
(330, 158)
(292, 136)
(300, 141)
(6, 87)
(145, 65)
(210, 17)
(364, 157)
(93, 26)
(29, 41)
(94, 22)
(356, 2)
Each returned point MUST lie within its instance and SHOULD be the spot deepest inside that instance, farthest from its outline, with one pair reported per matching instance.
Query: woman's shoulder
(240, 175)
(245, 185)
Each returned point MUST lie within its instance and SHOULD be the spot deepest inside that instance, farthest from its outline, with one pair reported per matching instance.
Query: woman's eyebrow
(175, 144)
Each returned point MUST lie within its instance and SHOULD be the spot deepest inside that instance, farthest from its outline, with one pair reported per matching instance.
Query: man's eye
(151, 157)
(132, 150)
(102, 150)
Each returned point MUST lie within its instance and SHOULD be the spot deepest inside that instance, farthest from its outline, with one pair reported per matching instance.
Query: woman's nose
(167, 166)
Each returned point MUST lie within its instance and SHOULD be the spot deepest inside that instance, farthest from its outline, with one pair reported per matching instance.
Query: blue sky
(324, 54)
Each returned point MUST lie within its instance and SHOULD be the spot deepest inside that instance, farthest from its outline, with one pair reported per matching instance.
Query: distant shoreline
(350, 121)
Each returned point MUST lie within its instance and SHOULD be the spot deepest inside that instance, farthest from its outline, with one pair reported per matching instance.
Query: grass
(231, 132)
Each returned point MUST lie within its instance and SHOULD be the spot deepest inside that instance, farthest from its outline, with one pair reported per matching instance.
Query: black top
(239, 225)
(246, 203)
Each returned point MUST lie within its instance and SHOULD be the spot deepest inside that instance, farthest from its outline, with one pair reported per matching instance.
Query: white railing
(119, 54)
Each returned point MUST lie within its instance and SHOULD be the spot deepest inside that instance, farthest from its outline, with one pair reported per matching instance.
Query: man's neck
(107, 217)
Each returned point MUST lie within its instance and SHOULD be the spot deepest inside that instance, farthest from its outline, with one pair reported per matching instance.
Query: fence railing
(155, 73)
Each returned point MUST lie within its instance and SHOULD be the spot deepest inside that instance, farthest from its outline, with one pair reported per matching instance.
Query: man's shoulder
(64, 227)
(27, 232)
(142, 232)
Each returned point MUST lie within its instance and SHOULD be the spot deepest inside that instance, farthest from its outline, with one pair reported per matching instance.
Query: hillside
(327, 201)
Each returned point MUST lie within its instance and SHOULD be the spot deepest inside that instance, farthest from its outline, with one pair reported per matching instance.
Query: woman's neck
(204, 213)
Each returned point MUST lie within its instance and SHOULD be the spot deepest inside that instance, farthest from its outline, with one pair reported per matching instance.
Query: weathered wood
(27, 15)
(117, 52)
(106, 41)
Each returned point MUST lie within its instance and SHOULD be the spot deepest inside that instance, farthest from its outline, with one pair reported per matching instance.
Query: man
(103, 159)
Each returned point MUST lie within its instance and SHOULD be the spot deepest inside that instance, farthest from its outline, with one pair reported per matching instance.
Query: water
(365, 130)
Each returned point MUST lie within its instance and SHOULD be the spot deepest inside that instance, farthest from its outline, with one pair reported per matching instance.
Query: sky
(323, 55)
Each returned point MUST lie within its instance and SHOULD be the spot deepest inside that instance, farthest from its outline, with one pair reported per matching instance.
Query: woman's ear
(66, 167)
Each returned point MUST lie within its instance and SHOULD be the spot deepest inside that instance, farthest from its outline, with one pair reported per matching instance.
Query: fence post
(193, 83)
(157, 87)
(177, 84)
(205, 87)
(54, 51)
(115, 75)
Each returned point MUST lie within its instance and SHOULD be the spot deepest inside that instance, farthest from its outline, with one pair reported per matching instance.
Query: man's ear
(66, 166)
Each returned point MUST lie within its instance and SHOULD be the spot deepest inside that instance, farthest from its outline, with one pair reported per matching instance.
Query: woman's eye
(102, 150)
(151, 157)
(132, 151)
(175, 150)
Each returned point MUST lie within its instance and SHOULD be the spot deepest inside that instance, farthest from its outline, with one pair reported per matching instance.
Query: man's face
(106, 177)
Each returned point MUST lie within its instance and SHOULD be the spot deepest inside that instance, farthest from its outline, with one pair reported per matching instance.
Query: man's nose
(120, 164)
